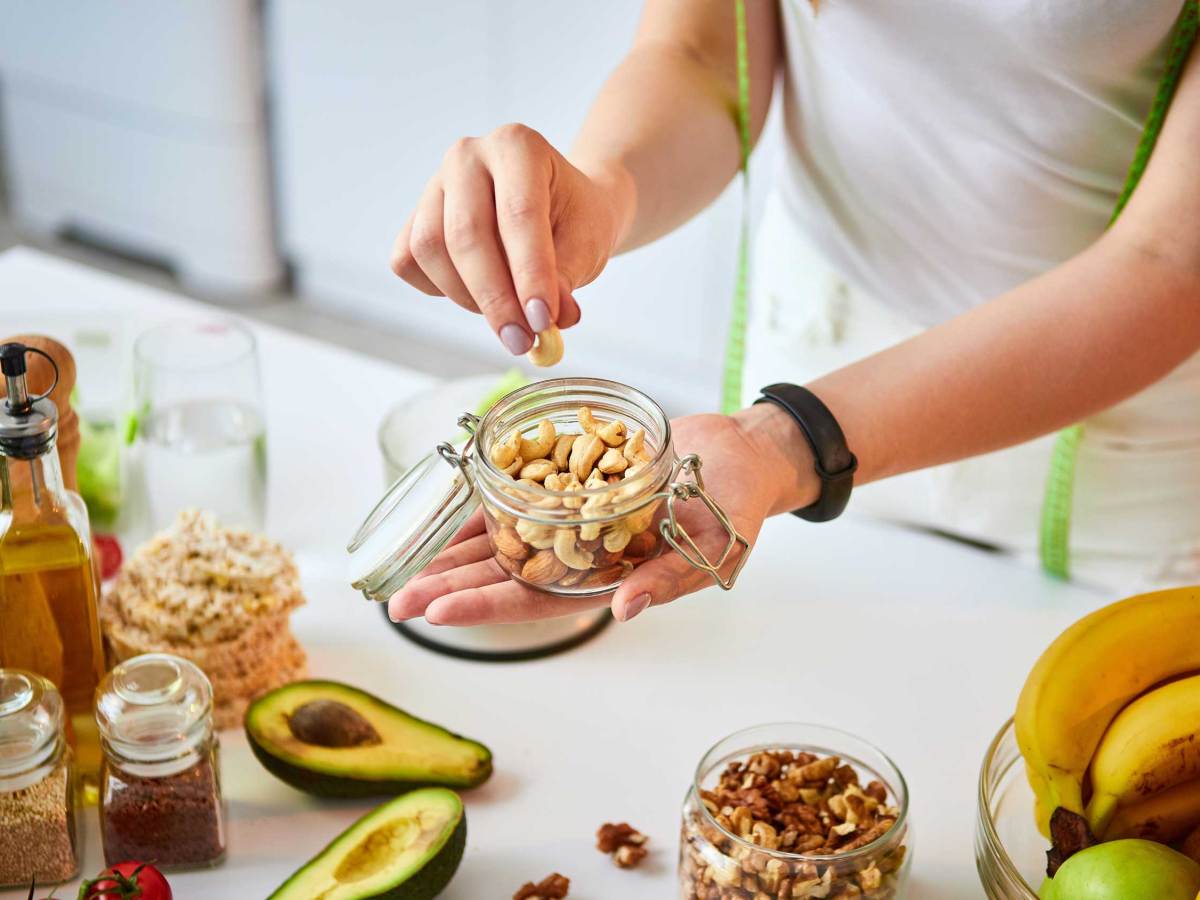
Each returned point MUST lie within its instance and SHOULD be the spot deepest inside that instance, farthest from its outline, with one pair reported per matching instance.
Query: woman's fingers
(427, 246)
(654, 583)
(472, 550)
(405, 265)
(519, 159)
(473, 241)
(502, 603)
(415, 597)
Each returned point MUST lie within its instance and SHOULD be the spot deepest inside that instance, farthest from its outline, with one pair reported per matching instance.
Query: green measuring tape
(1055, 532)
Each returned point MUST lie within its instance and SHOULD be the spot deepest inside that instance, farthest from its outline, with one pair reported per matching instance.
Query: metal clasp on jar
(672, 530)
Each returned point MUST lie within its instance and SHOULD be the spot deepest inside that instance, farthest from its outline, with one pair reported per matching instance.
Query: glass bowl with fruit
(1092, 790)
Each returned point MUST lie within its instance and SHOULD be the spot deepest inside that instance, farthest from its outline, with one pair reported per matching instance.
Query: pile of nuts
(552, 887)
(784, 802)
(602, 536)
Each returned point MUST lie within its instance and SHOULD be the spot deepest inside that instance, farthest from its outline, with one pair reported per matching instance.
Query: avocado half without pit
(333, 740)
(407, 849)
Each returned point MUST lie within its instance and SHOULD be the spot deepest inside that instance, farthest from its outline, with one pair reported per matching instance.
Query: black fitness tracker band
(834, 463)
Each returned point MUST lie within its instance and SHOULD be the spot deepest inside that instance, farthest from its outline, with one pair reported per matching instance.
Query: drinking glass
(199, 424)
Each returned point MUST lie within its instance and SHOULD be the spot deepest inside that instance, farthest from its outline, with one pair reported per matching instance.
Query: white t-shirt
(944, 151)
(939, 153)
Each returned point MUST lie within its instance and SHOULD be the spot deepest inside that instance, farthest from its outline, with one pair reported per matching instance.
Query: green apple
(1125, 870)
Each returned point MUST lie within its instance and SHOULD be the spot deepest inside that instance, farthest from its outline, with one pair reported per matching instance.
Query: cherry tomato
(128, 880)
(109, 549)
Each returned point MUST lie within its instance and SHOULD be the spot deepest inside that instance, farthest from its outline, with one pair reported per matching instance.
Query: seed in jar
(569, 552)
(544, 567)
(624, 843)
(612, 433)
(641, 545)
(539, 447)
(537, 470)
(584, 452)
(509, 543)
(617, 539)
(612, 462)
(561, 454)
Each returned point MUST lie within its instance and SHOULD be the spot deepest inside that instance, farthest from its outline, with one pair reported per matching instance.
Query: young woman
(934, 266)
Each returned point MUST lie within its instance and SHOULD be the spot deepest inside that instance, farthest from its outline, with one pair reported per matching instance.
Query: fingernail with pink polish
(516, 340)
(635, 607)
(538, 315)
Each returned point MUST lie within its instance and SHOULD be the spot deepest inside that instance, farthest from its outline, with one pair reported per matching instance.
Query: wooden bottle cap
(39, 377)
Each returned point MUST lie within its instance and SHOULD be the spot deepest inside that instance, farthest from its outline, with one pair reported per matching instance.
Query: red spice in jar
(175, 820)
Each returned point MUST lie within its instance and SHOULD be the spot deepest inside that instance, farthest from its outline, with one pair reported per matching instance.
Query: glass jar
(160, 790)
(717, 864)
(37, 784)
(1010, 852)
(574, 543)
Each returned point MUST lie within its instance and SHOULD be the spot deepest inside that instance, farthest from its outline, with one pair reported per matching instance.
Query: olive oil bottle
(49, 622)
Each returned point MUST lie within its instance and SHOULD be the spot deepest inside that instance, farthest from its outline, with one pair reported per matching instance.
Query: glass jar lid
(154, 707)
(413, 522)
(31, 721)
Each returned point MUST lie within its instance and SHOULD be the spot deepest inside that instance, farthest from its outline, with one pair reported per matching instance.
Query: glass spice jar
(581, 536)
(37, 784)
(160, 790)
(724, 854)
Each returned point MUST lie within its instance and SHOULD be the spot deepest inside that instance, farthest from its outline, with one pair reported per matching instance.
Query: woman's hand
(509, 228)
(755, 465)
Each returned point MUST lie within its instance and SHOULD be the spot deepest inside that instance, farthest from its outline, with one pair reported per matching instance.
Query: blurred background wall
(265, 154)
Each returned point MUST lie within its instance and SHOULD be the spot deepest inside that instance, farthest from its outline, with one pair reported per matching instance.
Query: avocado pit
(328, 723)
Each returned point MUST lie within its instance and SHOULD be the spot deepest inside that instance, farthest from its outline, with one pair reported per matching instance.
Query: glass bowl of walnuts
(793, 810)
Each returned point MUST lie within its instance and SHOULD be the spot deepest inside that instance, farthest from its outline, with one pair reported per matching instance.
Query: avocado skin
(326, 784)
(426, 884)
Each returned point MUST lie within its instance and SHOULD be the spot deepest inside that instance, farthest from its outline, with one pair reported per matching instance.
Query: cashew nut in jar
(541, 447)
(567, 550)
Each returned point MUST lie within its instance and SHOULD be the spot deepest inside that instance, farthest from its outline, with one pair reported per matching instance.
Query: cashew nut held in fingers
(549, 348)
(540, 448)
(567, 551)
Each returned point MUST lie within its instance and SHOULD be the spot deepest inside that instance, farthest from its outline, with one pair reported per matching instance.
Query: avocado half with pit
(333, 740)
(407, 849)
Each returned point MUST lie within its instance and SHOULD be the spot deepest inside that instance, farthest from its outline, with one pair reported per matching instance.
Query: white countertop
(913, 642)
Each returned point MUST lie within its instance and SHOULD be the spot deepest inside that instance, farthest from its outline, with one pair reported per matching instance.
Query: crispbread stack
(220, 597)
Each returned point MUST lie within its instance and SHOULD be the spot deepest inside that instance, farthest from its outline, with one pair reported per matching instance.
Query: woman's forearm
(663, 131)
(1055, 350)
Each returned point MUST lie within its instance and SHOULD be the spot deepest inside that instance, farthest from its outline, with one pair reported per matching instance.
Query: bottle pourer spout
(12, 364)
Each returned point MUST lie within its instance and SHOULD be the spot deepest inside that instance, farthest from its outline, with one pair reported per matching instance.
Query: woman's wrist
(619, 185)
(781, 450)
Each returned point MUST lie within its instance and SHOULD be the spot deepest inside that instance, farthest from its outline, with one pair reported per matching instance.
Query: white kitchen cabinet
(366, 97)
(141, 125)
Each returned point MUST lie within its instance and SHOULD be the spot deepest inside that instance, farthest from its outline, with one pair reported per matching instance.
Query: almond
(641, 545)
(507, 541)
(603, 577)
(543, 568)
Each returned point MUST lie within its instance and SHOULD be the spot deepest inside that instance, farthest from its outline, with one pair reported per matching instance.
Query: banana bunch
(1114, 704)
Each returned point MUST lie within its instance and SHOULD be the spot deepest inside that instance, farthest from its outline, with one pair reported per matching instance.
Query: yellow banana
(1153, 744)
(1090, 672)
(1164, 817)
